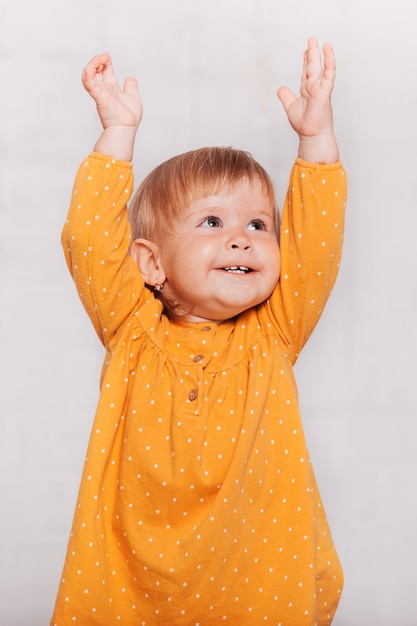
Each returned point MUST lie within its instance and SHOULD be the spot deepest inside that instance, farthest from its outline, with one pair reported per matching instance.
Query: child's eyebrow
(219, 207)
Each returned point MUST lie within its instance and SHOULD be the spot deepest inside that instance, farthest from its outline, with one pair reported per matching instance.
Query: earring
(158, 288)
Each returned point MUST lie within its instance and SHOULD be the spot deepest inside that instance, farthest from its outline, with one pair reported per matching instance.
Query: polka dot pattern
(198, 503)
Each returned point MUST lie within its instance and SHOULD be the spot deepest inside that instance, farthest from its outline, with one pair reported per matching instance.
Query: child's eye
(211, 222)
(257, 225)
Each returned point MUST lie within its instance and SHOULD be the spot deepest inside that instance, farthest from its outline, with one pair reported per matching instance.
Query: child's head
(215, 192)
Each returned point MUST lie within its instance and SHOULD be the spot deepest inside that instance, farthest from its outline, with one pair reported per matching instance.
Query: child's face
(223, 256)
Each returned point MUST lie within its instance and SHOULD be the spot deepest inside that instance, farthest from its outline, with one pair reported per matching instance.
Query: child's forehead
(246, 197)
(245, 185)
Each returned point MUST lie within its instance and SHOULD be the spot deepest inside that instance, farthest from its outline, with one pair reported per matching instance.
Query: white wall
(208, 72)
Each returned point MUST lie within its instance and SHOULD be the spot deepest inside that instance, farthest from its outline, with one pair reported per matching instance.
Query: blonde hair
(172, 185)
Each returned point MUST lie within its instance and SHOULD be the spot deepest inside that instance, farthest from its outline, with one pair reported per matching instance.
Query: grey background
(208, 71)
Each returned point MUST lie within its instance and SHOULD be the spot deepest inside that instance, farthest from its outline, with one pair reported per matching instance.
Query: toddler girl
(198, 503)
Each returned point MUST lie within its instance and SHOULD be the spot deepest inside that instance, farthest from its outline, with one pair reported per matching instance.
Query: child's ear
(146, 255)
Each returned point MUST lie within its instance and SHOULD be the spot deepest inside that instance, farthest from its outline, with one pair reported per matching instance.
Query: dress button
(198, 358)
(206, 328)
(193, 394)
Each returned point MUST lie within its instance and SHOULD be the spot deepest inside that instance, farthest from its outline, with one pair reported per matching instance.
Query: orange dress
(198, 503)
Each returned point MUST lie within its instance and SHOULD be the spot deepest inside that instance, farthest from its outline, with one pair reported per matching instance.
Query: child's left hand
(311, 114)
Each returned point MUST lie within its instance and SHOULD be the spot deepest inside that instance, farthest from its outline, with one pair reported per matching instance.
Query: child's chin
(233, 311)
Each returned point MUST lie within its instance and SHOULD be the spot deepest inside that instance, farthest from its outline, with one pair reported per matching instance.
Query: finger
(313, 58)
(312, 43)
(329, 62)
(130, 86)
(304, 72)
(100, 65)
(107, 72)
(286, 96)
(97, 64)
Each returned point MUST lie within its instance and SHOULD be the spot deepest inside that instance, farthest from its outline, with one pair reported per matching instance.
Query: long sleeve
(96, 239)
(311, 246)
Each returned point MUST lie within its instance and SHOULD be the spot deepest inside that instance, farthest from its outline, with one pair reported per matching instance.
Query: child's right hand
(120, 110)
(116, 107)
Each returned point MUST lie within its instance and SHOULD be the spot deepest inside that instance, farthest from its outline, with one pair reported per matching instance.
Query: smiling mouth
(237, 269)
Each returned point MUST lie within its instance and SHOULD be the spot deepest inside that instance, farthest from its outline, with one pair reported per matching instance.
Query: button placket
(199, 360)
(194, 396)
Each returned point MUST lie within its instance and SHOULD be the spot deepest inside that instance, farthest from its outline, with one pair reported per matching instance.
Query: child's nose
(241, 245)
(239, 241)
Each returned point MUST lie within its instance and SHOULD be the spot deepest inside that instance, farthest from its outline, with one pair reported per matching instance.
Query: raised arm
(96, 235)
(310, 114)
(120, 110)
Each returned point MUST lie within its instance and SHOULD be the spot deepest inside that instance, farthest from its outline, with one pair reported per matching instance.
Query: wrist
(321, 148)
(118, 142)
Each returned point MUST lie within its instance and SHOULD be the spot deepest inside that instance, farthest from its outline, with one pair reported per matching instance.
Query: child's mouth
(237, 269)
